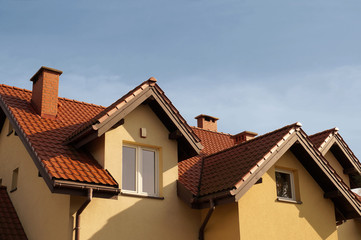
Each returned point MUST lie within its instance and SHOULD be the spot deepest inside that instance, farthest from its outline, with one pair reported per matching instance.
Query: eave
(345, 157)
(188, 143)
(67, 187)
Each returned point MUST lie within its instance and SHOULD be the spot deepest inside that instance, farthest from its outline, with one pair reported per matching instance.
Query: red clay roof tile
(189, 170)
(46, 136)
(319, 138)
(222, 164)
(10, 226)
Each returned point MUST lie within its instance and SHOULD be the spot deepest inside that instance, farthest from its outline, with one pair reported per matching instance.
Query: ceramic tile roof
(189, 169)
(46, 136)
(319, 138)
(223, 170)
(10, 226)
(112, 109)
(221, 164)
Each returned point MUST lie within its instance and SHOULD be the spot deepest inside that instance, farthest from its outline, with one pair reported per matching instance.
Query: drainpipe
(80, 210)
(204, 224)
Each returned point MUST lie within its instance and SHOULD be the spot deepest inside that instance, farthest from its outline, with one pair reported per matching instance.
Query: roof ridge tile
(223, 133)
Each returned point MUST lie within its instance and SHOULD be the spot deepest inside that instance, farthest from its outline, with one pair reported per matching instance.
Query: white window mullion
(140, 169)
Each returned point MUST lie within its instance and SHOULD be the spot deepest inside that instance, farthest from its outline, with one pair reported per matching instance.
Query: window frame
(292, 182)
(138, 171)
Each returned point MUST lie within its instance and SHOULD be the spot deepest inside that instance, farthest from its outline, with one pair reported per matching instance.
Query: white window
(285, 185)
(140, 171)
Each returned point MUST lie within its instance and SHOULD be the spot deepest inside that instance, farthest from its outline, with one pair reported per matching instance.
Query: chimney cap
(206, 116)
(34, 77)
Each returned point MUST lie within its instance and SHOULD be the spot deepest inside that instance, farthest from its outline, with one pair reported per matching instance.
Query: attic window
(140, 171)
(285, 185)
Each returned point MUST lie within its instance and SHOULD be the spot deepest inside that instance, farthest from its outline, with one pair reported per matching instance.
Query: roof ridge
(254, 139)
(223, 133)
(63, 98)
(17, 88)
(335, 129)
(80, 102)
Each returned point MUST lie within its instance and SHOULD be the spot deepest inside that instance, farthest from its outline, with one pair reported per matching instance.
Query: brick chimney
(243, 137)
(45, 92)
(207, 122)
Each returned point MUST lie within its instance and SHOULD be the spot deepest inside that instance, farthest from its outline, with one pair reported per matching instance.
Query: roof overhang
(344, 156)
(346, 204)
(188, 143)
(56, 186)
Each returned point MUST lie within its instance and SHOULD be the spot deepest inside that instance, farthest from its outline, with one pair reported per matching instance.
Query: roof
(223, 170)
(189, 170)
(54, 144)
(320, 138)
(46, 136)
(143, 91)
(10, 225)
(224, 175)
(331, 140)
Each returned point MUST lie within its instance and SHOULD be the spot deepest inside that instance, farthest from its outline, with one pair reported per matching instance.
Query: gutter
(80, 210)
(204, 224)
(74, 188)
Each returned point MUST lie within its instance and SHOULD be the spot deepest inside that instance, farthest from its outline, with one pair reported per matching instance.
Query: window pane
(283, 183)
(148, 171)
(129, 169)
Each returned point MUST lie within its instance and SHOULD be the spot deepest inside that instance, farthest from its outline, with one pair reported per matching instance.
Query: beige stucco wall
(350, 230)
(132, 217)
(337, 166)
(261, 216)
(223, 223)
(42, 214)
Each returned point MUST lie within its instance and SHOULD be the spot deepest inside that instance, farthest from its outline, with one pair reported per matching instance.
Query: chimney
(45, 92)
(243, 137)
(207, 122)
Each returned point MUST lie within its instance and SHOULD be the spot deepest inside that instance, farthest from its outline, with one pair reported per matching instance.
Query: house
(137, 170)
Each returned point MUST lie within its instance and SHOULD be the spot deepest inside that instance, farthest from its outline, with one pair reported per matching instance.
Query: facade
(137, 170)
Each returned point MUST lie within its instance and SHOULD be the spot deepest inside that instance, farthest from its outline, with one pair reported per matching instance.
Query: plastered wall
(261, 216)
(43, 215)
(337, 166)
(350, 230)
(223, 223)
(133, 217)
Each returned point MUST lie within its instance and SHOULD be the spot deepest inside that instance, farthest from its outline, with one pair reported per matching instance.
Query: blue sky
(257, 65)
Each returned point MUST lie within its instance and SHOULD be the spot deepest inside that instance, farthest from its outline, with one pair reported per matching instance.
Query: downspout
(204, 224)
(80, 210)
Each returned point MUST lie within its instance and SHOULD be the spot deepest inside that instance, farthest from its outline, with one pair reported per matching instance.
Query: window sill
(140, 196)
(288, 201)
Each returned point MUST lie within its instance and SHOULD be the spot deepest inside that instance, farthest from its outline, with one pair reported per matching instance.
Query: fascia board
(347, 153)
(322, 165)
(327, 145)
(121, 113)
(269, 162)
(196, 145)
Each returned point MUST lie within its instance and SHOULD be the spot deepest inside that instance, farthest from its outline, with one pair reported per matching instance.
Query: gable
(227, 175)
(146, 93)
(108, 149)
(311, 218)
(330, 141)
